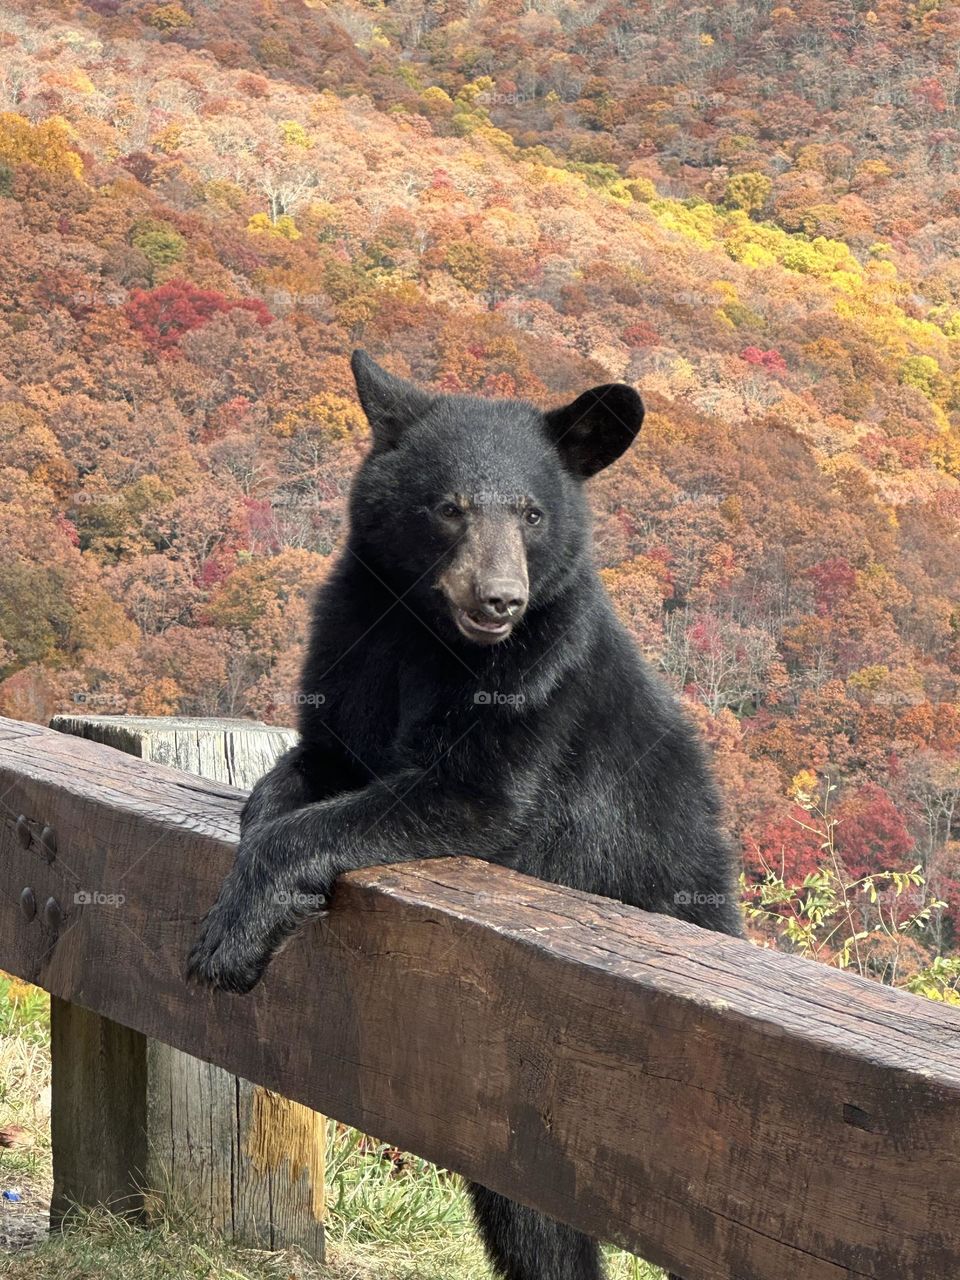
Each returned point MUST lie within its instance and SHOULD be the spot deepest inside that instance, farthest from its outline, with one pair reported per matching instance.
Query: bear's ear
(596, 428)
(390, 403)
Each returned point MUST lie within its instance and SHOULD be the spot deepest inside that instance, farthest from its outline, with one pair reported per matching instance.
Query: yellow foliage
(170, 17)
(168, 140)
(642, 189)
(222, 191)
(497, 137)
(922, 372)
(160, 697)
(507, 227)
(726, 289)
(259, 224)
(470, 92)
(698, 224)
(75, 79)
(748, 191)
(294, 134)
(945, 454)
(324, 103)
(47, 145)
(18, 990)
(437, 99)
(751, 255)
(804, 787)
(328, 414)
(869, 679)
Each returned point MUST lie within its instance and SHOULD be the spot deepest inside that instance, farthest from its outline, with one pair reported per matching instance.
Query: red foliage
(216, 569)
(257, 526)
(931, 92)
(163, 315)
(640, 334)
(784, 845)
(771, 360)
(500, 385)
(68, 529)
(833, 580)
(871, 835)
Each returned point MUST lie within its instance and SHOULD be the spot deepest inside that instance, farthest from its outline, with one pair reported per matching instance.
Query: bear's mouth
(480, 628)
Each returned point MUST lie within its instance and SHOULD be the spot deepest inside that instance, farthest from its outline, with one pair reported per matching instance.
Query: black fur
(468, 688)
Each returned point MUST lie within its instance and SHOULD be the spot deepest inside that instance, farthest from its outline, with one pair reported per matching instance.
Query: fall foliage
(750, 212)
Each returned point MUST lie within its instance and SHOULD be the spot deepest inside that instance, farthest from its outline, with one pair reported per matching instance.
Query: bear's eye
(449, 511)
(533, 516)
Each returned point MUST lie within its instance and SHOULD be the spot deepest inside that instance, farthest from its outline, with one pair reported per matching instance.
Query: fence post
(136, 1122)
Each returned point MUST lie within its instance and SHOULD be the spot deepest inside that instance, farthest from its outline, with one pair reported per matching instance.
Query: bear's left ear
(596, 428)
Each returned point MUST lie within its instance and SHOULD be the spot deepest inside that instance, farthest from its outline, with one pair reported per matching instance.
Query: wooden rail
(727, 1112)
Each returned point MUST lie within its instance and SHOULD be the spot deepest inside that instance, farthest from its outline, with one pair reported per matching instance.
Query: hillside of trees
(750, 212)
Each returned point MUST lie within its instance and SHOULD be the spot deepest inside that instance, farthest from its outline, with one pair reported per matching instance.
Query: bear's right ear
(391, 404)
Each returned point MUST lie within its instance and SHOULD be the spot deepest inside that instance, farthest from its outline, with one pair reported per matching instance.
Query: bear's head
(473, 510)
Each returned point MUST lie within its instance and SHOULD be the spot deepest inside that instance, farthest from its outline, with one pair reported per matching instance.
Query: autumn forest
(749, 211)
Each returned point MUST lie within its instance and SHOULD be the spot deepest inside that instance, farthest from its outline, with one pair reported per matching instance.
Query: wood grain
(253, 1173)
(728, 1112)
(98, 1118)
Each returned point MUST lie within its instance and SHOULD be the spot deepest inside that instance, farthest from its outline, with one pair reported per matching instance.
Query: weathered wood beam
(729, 1112)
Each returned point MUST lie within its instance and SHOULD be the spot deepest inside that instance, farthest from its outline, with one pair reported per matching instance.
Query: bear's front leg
(260, 903)
(286, 867)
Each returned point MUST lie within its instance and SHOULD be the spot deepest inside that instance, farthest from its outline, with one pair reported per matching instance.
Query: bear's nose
(503, 597)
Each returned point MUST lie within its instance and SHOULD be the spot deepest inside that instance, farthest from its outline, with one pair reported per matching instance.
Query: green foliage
(922, 372)
(867, 923)
(606, 178)
(743, 317)
(469, 264)
(160, 244)
(939, 980)
(24, 1014)
(748, 191)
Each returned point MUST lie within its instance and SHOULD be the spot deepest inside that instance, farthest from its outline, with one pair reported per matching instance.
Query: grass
(390, 1215)
(25, 1085)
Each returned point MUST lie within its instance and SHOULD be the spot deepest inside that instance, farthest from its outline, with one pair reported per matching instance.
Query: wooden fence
(725, 1111)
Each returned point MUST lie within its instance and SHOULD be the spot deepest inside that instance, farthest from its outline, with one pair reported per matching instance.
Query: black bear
(468, 687)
